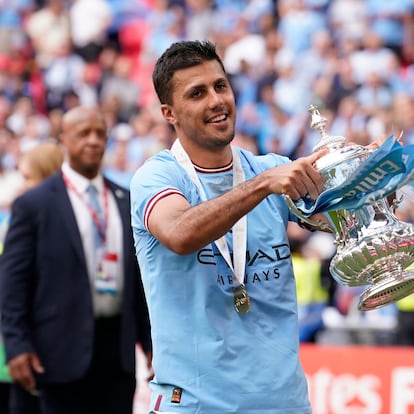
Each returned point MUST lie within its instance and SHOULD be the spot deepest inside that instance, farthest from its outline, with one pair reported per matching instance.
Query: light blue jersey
(207, 358)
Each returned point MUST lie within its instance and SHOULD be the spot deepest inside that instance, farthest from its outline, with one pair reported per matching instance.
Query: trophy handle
(317, 225)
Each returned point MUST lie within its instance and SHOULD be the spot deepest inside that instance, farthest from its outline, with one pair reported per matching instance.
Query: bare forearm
(208, 221)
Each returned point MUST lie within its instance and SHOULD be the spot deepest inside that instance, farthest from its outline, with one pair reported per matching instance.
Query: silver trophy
(373, 247)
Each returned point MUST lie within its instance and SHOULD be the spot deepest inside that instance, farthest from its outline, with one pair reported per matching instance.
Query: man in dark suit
(72, 304)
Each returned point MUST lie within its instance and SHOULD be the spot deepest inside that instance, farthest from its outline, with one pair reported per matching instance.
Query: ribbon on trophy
(385, 170)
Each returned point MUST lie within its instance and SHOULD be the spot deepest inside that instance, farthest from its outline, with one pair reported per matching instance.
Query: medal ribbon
(239, 229)
(95, 217)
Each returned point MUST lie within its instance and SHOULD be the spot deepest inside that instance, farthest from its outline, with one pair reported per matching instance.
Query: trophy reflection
(372, 246)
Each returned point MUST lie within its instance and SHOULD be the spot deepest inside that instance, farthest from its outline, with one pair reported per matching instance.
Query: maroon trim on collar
(203, 170)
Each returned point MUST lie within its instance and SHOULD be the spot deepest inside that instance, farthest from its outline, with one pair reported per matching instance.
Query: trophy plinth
(373, 247)
(376, 254)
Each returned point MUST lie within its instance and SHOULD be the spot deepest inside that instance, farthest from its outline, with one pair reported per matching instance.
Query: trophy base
(386, 250)
(391, 287)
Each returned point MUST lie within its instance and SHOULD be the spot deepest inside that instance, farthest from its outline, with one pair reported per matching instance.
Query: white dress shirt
(105, 304)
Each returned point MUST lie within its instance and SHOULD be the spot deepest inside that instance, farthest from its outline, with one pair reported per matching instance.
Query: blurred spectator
(36, 130)
(342, 84)
(106, 61)
(259, 14)
(392, 21)
(245, 140)
(405, 307)
(312, 296)
(380, 123)
(62, 76)
(5, 107)
(10, 179)
(20, 111)
(55, 119)
(247, 50)
(120, 90)
(123, 13)
(405, 321)
(89, 22)
(200, 17)
(403, 116)
(374, 95)
(291, 92)
(117, 166)
(265, 107)
(297, 24)
(88, 87)
(43, 160)
(49, 31)
(401, 77)
(348, 19)
(12, 18)
(248, 120)
(150, 135)
(349, 121)
(166, 25)
(244, 84)
(280, 132)
(34, 166)
(70, 100)
(320, 60)
(371, 57)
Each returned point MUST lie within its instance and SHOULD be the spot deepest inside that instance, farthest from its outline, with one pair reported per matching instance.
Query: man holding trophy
(209, 222)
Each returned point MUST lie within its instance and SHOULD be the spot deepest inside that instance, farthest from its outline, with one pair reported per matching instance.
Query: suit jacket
(46, 302)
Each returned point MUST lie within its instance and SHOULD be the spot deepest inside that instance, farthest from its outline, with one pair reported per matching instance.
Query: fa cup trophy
(373, 247)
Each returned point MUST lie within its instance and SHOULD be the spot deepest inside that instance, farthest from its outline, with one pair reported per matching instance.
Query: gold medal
(241, 299)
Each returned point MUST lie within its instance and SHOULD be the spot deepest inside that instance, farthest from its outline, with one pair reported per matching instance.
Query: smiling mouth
(218, 118)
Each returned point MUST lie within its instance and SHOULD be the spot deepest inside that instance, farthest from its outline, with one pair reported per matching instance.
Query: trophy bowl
(372, 246)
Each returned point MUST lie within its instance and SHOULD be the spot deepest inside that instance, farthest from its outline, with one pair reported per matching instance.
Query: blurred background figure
(68, 265)
(405, 307)
(405, 321)
(10, 179)
(119, 90)
(34, 166)
(313, 296)
(48, 29)
(43, 160)
(89, 35)
(118, 166)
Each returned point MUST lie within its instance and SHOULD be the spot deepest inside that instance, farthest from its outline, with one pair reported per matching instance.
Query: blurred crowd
(353, 59)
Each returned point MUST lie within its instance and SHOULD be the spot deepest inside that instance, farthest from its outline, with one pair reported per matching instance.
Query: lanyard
(100, 225)
(239, 230)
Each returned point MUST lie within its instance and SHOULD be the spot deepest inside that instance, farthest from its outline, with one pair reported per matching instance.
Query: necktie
(94, 202)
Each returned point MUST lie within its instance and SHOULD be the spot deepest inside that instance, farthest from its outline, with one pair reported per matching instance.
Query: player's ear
(168, 113)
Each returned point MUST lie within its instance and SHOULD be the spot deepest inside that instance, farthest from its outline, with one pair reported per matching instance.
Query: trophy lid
(318, 122)
(338, 152)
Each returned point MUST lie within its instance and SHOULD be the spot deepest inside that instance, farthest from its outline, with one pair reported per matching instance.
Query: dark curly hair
(180, 55)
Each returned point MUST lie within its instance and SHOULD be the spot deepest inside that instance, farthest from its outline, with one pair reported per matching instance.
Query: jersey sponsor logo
(251, 278)
(260, 258)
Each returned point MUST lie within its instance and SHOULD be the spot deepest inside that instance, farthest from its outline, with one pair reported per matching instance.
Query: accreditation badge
(105, 281)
